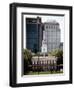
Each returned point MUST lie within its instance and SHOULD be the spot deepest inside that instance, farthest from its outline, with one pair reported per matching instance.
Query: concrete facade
(52, 35)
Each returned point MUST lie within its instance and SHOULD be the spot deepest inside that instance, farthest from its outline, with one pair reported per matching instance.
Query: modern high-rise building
(34, 34)
(52, 35)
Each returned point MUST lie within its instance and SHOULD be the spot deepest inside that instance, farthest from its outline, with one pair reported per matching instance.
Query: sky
(59, 19)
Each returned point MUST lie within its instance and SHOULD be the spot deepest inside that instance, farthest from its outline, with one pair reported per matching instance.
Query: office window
(46, 26)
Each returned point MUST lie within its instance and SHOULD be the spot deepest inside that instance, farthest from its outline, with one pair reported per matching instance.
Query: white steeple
(44, 44)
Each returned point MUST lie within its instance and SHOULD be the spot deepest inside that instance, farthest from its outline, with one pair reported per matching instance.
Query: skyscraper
(52, 35)
(33, 34)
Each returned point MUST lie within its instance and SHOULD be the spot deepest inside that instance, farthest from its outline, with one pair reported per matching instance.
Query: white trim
(42, 78)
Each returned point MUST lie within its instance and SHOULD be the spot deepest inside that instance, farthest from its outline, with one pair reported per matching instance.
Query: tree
(57, 53)
(27, 55)
(27, 60)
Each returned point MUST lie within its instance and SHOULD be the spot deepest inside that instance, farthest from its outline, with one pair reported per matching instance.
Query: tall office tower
(33, 34)
(52, 34)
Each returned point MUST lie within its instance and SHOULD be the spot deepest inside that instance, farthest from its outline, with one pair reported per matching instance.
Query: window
(49, 27)
(46, 27)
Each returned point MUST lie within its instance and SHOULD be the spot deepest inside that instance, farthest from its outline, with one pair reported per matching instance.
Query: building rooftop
(41, 58)
(33, 20)
(51, 22)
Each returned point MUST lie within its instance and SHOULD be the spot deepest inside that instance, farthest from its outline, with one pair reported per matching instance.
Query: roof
(42, 58)
(53, 22)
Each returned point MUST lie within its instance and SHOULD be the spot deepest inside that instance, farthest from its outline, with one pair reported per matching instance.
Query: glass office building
(33, 34)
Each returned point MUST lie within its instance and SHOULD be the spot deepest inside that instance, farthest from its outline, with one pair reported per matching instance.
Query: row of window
(51, 26)
(53, 40)
(52, 48)
(52, 36)
(44, 62)
(48, 31)
(32, 40)
(49, 40)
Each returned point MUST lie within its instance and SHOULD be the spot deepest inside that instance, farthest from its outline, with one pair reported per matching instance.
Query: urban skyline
(42, 37)
(59, 19)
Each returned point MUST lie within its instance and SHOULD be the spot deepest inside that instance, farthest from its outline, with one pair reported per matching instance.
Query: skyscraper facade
(52, 35)
(33, 34)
